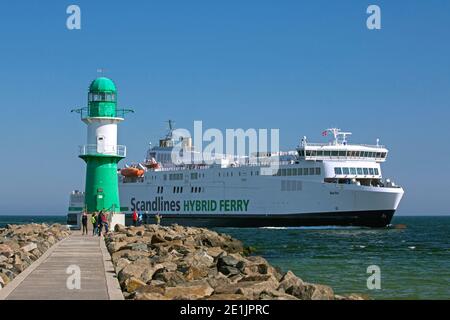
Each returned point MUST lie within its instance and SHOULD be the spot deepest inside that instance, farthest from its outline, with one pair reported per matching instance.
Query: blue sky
(300, 66)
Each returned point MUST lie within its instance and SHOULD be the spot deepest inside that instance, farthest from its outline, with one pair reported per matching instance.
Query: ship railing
(208, 166)
(109, 150)
(321, 158)
(331, 144)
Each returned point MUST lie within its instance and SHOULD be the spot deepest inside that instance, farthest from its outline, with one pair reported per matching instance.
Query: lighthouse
(101, 152)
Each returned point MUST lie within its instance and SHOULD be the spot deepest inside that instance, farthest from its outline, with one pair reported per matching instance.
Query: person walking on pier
(100, 223)
(105, 221)
(135, 218)
(140, 219)
(84, 223)
(94, 223)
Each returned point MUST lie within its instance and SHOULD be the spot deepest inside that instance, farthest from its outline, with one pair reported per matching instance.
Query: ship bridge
(339, 149)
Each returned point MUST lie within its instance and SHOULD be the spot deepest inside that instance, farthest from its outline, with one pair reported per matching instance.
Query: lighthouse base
(117, 218)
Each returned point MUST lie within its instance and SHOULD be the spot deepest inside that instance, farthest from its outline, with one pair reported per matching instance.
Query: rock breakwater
(163, 263)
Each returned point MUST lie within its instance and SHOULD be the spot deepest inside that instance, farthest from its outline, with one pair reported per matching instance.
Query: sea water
(414, 262)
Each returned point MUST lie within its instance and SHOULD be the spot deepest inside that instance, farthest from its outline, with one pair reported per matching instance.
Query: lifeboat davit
(132, 172)
(153, 164)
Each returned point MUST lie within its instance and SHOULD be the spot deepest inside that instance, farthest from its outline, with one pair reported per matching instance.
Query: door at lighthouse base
(100, 201)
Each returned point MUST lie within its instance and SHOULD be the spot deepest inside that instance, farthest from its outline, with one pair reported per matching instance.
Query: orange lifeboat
(132, 172)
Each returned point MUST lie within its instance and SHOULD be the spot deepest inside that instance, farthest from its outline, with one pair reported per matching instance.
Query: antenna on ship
(337, 133)
(171, 125)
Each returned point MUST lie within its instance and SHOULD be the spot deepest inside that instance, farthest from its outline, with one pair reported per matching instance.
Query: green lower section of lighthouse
(102, 191)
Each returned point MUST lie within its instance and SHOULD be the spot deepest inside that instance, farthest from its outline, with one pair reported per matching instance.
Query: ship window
(376, 171)
(378, 154)
(383, 154)
(311, 171)
(181, 189)
(334, 153)
(318, 171)
(366, 171)
(326, 153)
(342, 153)
(165, 177)
(371, 171)
(299, 171)
(337, 171)
(194, 175)
(352, 170)
(313, 153)
(174, 189)
(192, 189)
(305, 171)
(345, 171)
(308, 153)
(289, 172)
(320, 153)
(360, 171)
(283, 172)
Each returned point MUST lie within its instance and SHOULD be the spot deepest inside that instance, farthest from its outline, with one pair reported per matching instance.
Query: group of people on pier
(99, 221)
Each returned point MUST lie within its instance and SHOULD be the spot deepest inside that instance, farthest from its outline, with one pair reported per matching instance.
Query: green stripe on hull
(75, 209)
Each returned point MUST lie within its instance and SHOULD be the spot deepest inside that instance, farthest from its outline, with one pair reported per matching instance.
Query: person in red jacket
(135, 218)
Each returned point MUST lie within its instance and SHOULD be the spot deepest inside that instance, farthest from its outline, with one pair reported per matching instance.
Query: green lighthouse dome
(102, 98)
(102, 84)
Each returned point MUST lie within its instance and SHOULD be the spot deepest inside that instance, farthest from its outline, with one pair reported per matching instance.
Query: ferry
(334, 183)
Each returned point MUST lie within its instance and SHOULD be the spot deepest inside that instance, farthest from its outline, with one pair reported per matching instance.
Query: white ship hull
(259, 202)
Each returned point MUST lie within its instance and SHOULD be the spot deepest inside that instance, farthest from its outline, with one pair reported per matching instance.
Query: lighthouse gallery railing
(110, 150)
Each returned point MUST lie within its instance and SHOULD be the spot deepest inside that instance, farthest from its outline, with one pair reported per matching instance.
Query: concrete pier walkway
(48, 277)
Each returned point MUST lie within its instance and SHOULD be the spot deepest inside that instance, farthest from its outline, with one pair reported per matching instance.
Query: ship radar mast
(340, 137)
(167, 141)
(171, 128)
